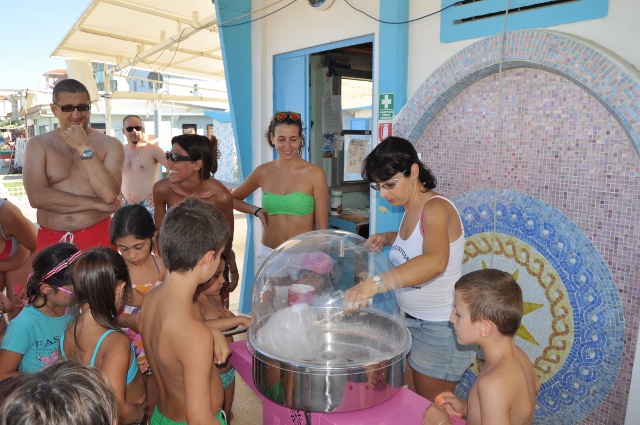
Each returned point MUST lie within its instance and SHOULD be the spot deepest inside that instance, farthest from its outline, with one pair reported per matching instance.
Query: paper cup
(336, 202)
(300, 294)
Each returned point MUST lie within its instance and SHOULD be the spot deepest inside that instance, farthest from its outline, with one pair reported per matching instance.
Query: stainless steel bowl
(361, 365)
(307, 353)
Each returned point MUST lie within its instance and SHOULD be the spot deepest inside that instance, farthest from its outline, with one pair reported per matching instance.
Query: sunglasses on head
(388, 185)
(281, 116)
(175, 157)
(70, 108)
(135, 127)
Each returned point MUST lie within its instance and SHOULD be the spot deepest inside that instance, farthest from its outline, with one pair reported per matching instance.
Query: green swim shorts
(159, 419)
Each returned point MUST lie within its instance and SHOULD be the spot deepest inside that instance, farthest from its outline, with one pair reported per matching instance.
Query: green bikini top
(296, 203)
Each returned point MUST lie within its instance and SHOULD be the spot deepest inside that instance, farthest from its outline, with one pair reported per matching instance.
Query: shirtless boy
(180, 349)
(72, 175)
(488, 308)
(142, 161)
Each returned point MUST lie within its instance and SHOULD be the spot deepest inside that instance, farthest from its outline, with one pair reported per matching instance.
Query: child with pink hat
(315, 270)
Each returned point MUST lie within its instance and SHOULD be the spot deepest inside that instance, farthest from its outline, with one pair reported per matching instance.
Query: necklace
(285, 172)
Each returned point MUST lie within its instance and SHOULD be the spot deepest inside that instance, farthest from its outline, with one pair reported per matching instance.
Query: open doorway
(342, 76)
(333, 84)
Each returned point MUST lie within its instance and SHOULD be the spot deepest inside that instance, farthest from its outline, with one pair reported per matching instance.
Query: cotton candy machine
(308, 354)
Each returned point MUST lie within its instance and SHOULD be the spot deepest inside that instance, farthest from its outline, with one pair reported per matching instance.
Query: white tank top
(431, 300)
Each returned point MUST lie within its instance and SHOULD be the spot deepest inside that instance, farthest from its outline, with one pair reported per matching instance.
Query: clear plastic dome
(298, 310)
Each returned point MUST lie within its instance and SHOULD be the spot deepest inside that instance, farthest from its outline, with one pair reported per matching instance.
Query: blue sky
(31, 30)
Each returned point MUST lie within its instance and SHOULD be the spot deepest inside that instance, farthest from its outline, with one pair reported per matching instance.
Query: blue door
(291, 89)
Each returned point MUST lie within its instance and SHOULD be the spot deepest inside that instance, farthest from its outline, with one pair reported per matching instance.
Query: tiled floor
(247, 406)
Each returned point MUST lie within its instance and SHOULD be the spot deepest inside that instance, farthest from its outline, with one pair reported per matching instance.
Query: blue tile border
(591, 367)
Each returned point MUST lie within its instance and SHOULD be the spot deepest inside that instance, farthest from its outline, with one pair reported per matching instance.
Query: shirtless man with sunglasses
(142, 160)
(72, 174)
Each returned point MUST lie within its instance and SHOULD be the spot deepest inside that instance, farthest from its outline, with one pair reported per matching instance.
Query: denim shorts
(435, 351)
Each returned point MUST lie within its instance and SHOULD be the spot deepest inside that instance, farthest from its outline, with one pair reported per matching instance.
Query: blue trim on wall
(393, 65)
(562, 13)
(236, 56)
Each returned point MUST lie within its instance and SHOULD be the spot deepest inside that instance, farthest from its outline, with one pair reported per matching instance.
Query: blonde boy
(487, 311)
(181, 350)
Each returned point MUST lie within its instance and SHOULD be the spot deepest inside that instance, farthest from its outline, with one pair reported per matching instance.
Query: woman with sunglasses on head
(295, 195)
(427, 254)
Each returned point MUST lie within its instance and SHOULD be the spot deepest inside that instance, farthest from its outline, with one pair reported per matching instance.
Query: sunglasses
(281, 116)
(387, 185)
(135, 127)
(175, 157)
(70, 108)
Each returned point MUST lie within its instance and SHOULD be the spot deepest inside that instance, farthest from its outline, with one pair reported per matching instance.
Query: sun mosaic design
(573, 327)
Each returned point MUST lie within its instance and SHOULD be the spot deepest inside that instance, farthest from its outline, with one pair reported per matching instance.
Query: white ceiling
(171, 36)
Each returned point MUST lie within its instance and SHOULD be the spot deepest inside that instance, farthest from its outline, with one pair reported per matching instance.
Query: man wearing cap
(72, 174)
(141, 164)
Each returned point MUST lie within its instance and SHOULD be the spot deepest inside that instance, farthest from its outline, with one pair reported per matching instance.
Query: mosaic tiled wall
(567, 174)
(228, 163)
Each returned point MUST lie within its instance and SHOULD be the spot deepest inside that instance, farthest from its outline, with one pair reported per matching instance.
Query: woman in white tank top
(427, 254)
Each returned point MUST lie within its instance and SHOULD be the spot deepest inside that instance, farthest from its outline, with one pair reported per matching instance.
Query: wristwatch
(87, 154)
(378, 281)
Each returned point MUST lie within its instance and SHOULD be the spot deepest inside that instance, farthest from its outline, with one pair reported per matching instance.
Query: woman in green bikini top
(295, 195)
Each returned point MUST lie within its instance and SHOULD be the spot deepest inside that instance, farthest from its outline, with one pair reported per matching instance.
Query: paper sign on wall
(356, 153)
(331, 114)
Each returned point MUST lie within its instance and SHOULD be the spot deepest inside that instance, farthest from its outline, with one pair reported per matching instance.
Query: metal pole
(107, 99)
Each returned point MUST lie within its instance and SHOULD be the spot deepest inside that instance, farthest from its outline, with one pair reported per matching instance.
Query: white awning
(165, 36)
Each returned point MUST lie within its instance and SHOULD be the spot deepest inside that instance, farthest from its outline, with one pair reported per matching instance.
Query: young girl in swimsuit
(31, 340)
(217, 316)
(101, 284)
(295, 196)
(132, 232)
(17, 250)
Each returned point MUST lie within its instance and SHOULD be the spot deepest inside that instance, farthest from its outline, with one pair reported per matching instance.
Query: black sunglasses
(175, 157)
(135, 127)
(281, 116)
(70, 108)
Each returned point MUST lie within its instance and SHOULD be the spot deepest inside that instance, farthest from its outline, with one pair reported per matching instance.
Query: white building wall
(614, 32)
(298, 26)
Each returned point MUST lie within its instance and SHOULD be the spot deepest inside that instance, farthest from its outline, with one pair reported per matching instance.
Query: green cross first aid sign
(385, 106)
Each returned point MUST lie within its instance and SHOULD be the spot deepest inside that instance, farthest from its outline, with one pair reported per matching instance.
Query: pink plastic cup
(299, 294)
